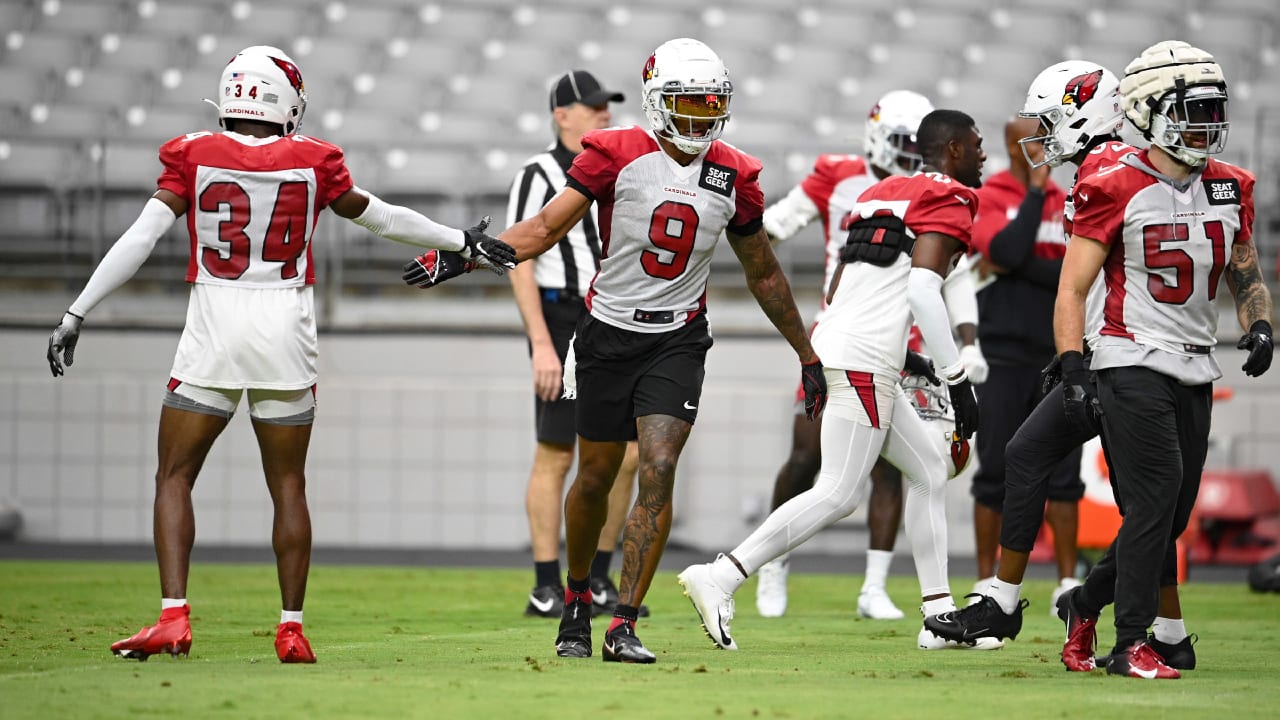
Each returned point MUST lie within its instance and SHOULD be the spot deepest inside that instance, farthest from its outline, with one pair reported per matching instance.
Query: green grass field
(443, 643)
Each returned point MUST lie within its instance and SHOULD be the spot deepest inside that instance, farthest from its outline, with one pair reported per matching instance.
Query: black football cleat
(622, 645)
(984, 618)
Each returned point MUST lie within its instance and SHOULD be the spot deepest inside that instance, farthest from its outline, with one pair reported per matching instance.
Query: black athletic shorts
(623, 375)
(553, 421)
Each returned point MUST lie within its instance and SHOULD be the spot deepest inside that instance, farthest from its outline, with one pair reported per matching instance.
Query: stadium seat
(40, 164)
(84, 17)
(76, 122)
(175, 19)
(140, 52)
(45, 51)
(430, 171)
(104, 89)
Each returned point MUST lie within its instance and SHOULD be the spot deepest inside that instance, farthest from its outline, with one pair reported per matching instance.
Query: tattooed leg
(662, 437)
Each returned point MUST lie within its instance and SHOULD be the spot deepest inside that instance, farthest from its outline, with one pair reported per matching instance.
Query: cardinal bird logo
(1081, 88)
(650, 68)
(292, 73)
(959, 452)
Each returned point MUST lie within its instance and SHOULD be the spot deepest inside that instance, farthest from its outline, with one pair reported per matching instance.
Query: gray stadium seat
(85, 17)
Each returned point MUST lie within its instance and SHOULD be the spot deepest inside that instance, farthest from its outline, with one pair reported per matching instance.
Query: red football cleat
(1140, 661)
(172, 634)
(1082, 634)
(292, 645)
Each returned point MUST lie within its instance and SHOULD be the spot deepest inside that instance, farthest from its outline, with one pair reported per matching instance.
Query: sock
(287, 616)
(726, 574)
(546, 573)
(166, 603)
(623, 614)
(938, 605)
(1169, 630)
(580, 588)
(877, 569)
(1005, 594)
(600, 564)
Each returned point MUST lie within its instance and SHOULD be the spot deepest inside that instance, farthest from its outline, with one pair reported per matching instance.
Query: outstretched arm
(533, 236)
(769, 285)
(119, 264)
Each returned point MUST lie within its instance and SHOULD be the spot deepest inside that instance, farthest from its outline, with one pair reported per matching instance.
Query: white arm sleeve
(399, 223)
(785, 217)
(960, 295)
(924, 293)
(125, 257)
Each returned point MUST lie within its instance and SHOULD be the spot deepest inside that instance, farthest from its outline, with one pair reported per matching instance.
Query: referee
(549, 293)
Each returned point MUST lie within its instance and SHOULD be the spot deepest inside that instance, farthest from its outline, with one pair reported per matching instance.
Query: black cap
(581, 86)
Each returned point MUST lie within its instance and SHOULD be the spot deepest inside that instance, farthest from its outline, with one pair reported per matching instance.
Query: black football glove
(814, 382)
(1050, 376)
(434, 267)
(921, 365)
(62, 342)
(1080, 394)
(487, 252)
(1259, 344)
(965, 403)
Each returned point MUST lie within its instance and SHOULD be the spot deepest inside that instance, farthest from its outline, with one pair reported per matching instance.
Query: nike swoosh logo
(688, 406)
(610, 648)
(1148, 674)
(541, 605)
(723, 633)
(972, 635)
(599, 598)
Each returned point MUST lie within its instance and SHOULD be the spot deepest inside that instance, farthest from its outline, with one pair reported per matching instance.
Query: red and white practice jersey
(829, 192)
(865, 327)
(660, 222)
(252, 204)
(1100, 157)
(1168, 250)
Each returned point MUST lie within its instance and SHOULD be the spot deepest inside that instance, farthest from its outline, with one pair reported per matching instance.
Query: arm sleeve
(1014, 243)
(125, 257)
(399, 223)
(787, 216)
(960, 296)
(924, 293)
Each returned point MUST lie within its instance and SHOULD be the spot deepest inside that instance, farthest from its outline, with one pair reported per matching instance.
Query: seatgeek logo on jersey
(1223, 192)
(1081, 88)
(717, 178)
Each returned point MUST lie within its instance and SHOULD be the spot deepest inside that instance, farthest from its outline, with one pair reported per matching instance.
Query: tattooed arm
(769, 285)
(1244, 278)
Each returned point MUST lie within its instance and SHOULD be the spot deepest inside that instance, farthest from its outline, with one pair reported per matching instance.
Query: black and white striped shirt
(574, 260)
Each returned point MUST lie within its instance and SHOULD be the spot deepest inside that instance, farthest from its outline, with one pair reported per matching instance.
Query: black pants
(1006, 400)
(1157, 431)
(1033, 459)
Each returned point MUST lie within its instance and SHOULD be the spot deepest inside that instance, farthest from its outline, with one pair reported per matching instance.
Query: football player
(904, 237)
(251, 195)
(829, 193)
(666, 193)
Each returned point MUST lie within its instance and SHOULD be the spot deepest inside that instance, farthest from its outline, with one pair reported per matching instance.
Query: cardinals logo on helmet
(1081, 88)
(650, 68)
(291, 72)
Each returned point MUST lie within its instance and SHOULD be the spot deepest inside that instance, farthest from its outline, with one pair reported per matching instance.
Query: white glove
(569, 380)
(975, 365)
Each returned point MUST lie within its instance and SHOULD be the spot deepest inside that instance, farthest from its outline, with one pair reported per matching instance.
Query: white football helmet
(890, 139)
(933, 405)
(1075, 101)
(262, 83)
(1176, 95)
(686, 94)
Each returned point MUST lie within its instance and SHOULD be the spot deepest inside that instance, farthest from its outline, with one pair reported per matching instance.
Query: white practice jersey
(829, 192)
(1169, 247)
(865, 327)
(1100, 157)
(660, 223)
(252, 208)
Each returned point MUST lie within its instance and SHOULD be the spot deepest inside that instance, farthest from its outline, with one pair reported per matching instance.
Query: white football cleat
(1064, 585)
(714, 605)
(928, 641)
(875, 603)
(771, 588)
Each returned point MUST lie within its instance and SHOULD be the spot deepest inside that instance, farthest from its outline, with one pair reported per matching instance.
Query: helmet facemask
(691, 117)
(1191, 123)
